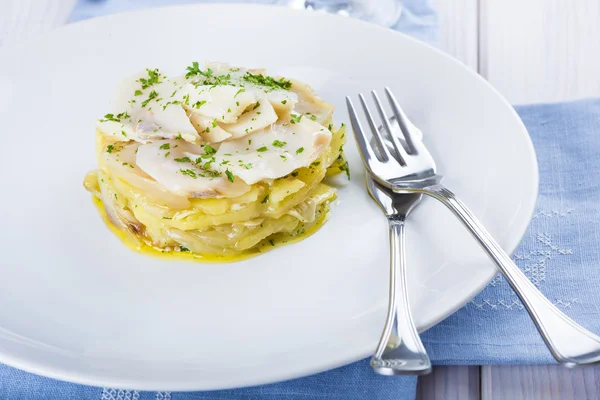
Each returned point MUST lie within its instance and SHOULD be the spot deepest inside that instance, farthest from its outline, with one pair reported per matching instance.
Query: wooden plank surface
(450, 383)
(458, 21)
(540, 50)
(539, 382)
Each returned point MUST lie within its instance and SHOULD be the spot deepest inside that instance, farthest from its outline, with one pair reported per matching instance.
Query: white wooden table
(532, 51)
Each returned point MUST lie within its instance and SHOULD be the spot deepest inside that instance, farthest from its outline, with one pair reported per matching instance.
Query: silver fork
(403, 352)
(411, 169)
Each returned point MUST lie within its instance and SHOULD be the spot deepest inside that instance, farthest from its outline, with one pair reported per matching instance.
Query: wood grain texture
(458, 21)
(540, 50)
(449, 383)
(539, 382)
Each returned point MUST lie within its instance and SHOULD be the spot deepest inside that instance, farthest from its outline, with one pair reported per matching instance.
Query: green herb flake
(261, 149)
(167, 154)
(283, 101)
(189, 173)
(199, 104)
(138, 93)
(123, 133)
(209, 149)
(272, 242)
(151, 96)
(278, 143)
(230, 176)
(214, 123)
(295, 118)
(165, 146)
(265, 199)
(267, 81)
(295, 174)
(183, 249)
(183, 159)
(316, 163)
(256, 105)
(242, 90)
(299, 150)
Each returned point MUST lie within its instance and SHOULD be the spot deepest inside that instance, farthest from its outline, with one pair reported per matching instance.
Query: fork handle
(400, 350)
(569, 342)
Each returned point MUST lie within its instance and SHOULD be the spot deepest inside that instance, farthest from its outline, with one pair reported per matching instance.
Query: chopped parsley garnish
(209, 150)
(284, 157)
(110, 117)
(316, 163)
(214, 123)
(195, 70)
(230, 177)
(110, 148)
(137, 93)
(294, 174)
(261, 149)
(299, 150)
(283, 101)
(186, 99)
(295, 118)
(183, 159)
(313, 117)
(265, 199)
(123, 133)
(130, 166)
(237, 103)
(271, 242)
(165, 146)
(249, 141)
(247, 166)
(178, 137)
(256, 105)
(267, 81)
(183, 249)
(167, 154)
(278, 143)
(229, 110)
(153, 78)
(330, 127)
(199, 104)
(242, 90)
(189, 173)
(151, 96)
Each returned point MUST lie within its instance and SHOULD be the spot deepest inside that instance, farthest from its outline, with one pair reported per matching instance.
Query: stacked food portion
(218, 164)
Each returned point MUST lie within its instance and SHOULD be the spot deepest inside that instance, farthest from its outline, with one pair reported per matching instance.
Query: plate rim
(186, 386)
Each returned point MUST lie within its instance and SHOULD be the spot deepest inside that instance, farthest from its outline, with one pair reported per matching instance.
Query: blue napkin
(560, 252)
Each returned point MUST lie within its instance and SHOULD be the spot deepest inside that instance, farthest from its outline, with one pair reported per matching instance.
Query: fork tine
(383, 149)
(400, 151)
(405, 125)
(366, 151)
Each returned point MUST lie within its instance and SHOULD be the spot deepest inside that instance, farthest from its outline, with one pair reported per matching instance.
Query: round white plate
(78, 305)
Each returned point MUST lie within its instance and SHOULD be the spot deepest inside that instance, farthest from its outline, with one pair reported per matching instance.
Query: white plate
(77, 305)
